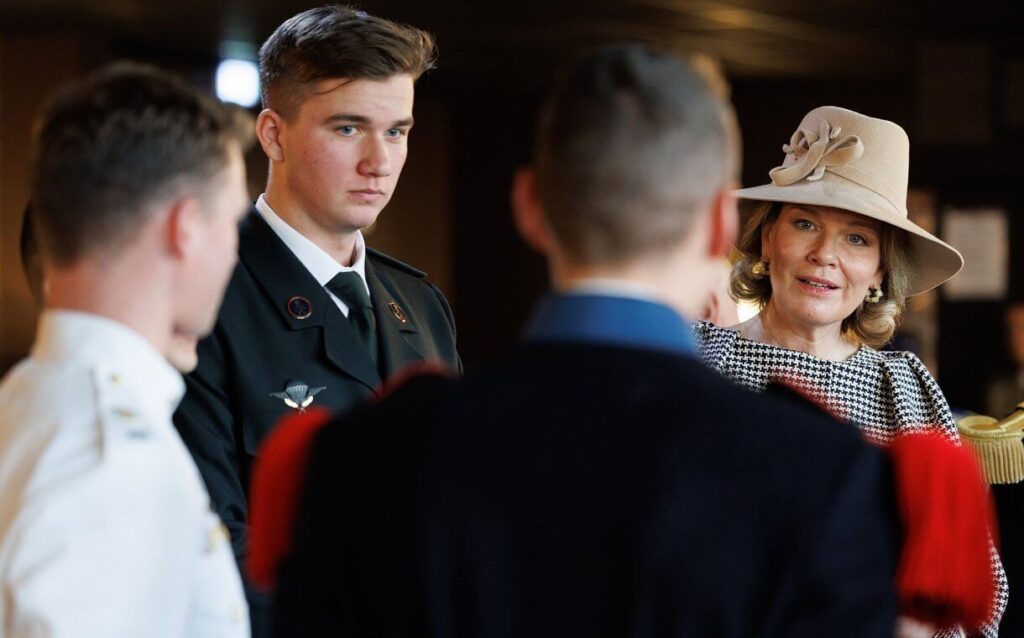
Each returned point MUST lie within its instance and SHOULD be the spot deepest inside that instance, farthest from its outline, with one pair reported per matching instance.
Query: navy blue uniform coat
(259, 345)
(587, 489)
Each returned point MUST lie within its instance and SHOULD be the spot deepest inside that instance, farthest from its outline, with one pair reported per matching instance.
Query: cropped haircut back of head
(113, 145)
(632, 142)
(337, 41)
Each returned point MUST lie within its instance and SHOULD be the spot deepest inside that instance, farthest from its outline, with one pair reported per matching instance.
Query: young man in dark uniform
(312, 316)
(601, 481)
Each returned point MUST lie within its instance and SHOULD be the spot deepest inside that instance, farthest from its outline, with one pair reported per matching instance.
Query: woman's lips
(816, 286)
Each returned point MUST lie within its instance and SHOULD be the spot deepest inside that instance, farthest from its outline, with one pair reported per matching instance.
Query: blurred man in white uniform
(105, 524)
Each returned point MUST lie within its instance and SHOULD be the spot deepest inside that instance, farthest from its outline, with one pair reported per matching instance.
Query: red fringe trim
(945, 576)
(277, 478)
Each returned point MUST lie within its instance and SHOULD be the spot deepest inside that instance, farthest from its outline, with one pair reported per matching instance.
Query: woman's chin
(815, 313)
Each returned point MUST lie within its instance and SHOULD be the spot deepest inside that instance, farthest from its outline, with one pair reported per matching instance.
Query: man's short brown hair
(112, 145)
(632, 142)
(337, 41)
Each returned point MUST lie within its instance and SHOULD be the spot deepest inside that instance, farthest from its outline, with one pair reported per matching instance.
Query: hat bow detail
(810, 154)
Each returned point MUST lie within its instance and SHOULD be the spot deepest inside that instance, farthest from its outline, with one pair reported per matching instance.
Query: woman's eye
(858, 240)
(803, 224)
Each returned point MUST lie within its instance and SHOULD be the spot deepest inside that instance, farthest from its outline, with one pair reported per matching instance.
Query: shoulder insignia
(380, 257)
(132, 425)
(117, 409)
(997, 444)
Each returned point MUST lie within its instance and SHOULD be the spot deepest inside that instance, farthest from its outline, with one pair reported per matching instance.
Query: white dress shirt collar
(322, 266)
(115, 350)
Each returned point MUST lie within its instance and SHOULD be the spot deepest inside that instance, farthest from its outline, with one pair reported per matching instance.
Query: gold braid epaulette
(998, 444)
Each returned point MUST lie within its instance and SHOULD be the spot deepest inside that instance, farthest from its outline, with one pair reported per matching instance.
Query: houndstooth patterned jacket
(883, 393)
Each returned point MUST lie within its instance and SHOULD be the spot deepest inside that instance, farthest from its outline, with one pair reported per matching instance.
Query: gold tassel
(999, 445)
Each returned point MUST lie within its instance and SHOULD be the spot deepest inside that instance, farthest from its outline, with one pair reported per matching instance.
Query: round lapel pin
(299, 307)
(397, 311)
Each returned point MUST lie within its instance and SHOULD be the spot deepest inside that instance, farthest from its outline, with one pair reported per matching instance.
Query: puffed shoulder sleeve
(918, 402)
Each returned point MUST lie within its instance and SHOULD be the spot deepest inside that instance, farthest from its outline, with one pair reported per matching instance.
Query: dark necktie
(349, 287)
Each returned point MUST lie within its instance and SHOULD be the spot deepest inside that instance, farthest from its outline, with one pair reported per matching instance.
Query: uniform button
(115, 379)
(124, 413)
(236, 614)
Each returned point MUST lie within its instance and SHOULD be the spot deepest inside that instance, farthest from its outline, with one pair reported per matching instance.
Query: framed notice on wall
(980, 234)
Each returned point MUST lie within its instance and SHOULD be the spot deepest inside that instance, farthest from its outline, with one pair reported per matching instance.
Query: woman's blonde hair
(872, 324)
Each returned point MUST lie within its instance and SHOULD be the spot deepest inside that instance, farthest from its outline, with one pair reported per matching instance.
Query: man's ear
(528, 212)
(725, 222)
(183, 226)
(269, 126)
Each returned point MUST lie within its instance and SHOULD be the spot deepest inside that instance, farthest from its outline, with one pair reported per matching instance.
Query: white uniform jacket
(105, 524)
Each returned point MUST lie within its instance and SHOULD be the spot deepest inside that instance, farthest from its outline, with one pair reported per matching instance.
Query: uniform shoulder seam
(387, 260)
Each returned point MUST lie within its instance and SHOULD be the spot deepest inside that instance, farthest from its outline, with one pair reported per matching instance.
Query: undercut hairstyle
(872, 324)
(632, 144)
(337, 41)
(111, 147)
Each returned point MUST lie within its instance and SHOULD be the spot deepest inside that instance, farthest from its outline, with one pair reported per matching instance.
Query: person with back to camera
(829, 255)
(105, 524)
(181, 351)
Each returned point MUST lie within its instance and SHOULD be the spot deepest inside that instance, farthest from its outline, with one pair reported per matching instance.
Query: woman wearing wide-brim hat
(830, 257)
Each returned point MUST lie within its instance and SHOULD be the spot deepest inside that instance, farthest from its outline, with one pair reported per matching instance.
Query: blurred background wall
(951, 74)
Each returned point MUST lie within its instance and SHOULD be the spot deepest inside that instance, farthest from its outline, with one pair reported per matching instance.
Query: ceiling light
(238, 81)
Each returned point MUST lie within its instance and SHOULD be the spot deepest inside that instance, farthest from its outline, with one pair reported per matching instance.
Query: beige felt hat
(846, 160)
